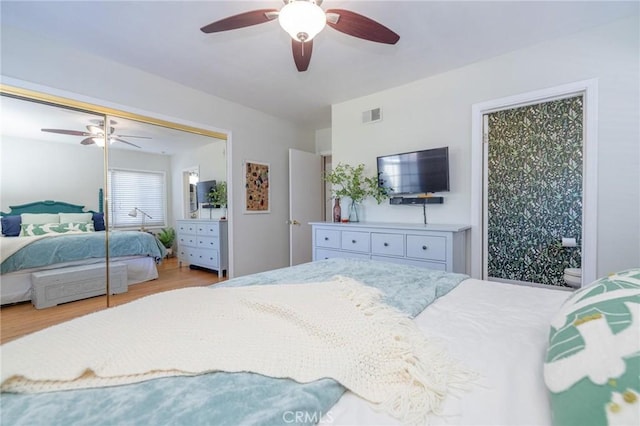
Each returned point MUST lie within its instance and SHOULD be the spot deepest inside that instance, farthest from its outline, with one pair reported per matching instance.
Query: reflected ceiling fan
(303, 20)
(95, 134)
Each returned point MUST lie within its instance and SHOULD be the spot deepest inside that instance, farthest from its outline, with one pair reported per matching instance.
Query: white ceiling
(253, 66)
(25, 120)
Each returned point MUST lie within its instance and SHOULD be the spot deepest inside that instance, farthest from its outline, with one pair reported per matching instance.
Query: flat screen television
(203, 189)
(415, 172)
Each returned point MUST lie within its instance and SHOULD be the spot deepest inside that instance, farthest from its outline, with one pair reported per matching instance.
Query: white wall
(32, 170)
(261, 241)
(436, 112)
(323, 141)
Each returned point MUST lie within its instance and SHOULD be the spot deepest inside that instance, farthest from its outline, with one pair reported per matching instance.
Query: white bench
(50, 288)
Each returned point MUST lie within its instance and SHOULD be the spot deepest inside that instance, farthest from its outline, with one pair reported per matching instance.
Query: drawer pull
(326, 238)
(353, 241)
(386, 244)
(424, 247)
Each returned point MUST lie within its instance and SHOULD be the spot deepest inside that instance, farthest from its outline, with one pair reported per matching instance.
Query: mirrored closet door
(106, 174)
(52, 182)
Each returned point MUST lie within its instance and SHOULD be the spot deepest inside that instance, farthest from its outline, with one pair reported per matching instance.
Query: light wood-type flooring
(23, 318)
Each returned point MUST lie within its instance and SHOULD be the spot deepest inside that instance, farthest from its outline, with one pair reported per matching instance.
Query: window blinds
(145, 190)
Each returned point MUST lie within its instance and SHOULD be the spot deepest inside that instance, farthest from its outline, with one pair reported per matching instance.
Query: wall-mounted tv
(415, 172)
(203, 189)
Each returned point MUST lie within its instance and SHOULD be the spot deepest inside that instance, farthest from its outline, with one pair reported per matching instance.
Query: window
(145, 190)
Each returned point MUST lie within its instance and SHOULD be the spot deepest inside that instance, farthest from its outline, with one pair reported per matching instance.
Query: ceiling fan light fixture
(302, 19)
(99, 141)
(95, 129)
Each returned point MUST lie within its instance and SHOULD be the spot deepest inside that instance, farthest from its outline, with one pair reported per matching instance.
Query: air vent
(372, 115)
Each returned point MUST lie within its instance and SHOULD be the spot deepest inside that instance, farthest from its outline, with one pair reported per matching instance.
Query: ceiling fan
(95, 134)
(303, 20)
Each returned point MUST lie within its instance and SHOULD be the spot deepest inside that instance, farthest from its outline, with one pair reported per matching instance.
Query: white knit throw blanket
(338, 329)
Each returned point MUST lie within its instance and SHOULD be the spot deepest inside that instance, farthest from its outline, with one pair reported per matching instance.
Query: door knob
(294, 222)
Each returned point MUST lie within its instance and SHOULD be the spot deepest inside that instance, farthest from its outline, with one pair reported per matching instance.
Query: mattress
(498, 330)
(501, 332)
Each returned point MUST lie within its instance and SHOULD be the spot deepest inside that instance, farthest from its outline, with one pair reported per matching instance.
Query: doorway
(533, 197)
(587, 91)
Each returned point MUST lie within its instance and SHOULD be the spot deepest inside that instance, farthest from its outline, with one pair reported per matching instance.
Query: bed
(58, 236)
(498, 331)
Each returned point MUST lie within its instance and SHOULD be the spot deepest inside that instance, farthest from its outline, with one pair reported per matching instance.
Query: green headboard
(47, 206)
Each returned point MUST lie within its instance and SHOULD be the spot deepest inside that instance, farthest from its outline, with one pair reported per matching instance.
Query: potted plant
(218, 196)
(167, 237)
(349, 181)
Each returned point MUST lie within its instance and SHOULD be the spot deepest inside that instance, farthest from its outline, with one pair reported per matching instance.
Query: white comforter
(502, 334)
(338, 329)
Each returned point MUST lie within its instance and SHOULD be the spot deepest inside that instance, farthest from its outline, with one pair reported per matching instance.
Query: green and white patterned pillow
(31, 230)
(592, 367)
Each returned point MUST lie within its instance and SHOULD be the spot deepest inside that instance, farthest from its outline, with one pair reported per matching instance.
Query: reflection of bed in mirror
(45, 241)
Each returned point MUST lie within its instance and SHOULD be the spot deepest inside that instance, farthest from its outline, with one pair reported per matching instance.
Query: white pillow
(39, 218)
(76, 217)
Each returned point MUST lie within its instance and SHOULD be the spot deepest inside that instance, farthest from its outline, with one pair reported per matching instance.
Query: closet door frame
(589, 90)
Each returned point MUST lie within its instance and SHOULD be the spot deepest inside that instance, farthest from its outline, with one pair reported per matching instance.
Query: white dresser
(441, 247)
(203, 243)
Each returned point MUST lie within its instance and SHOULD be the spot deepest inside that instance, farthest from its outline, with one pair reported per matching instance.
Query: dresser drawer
(187, 240)
(207, 242)
(207, 258)
(321, 254)
(355, 241)
(427, 247)
(210, 230)
(187, 254)
(327, 238)
(387, 244)
(186, 228)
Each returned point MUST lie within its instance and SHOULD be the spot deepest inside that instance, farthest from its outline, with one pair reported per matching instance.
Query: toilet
(573, 277)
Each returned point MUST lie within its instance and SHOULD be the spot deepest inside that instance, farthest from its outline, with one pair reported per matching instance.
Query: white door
(305, 202)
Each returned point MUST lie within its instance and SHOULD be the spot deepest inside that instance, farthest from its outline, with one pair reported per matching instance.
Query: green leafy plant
(167, 236)
(218, 195)
(349, 181)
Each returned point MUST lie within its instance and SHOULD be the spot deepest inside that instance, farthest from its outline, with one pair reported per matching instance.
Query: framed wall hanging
(256, 187)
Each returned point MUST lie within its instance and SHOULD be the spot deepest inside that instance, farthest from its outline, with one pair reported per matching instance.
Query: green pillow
(592, 366)
(30, 230)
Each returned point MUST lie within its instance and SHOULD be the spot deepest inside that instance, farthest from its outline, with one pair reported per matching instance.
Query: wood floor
(23, 318)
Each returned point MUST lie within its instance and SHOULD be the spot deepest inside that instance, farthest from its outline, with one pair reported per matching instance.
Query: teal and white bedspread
(231, 398)
(87, 245)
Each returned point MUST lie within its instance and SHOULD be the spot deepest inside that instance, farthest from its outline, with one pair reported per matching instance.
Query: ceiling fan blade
(67, 132)
(123, 141)
(87, 141)
(132, 136)
(302, 53)
(241, 20)
(360, 26)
